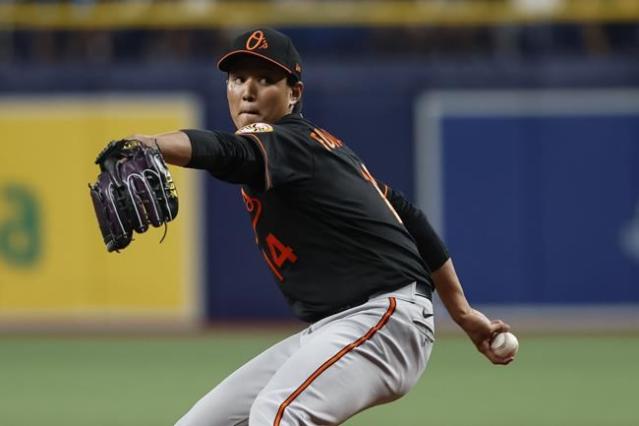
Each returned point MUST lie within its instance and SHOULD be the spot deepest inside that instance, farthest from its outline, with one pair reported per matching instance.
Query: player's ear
(295, 93)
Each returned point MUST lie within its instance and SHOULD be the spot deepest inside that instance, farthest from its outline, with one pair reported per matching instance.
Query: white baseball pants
(364, 356)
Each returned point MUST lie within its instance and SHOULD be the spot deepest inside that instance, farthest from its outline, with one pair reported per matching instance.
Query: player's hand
(133, 191)
(481, 330)
(147, 140)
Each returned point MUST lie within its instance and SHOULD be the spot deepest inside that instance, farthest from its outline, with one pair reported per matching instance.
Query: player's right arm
(476, 325)
(434, 253)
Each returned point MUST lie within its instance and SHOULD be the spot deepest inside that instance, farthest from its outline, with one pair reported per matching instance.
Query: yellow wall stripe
(227, 14)
(53, 263)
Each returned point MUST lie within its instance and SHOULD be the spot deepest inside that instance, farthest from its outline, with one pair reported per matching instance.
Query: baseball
(504, 344)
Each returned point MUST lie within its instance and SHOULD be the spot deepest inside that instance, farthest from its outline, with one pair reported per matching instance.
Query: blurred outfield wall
(54, 270)
(538, 203)
(526, 162)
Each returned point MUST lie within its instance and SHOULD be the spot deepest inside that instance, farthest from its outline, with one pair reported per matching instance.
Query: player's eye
(237, 79)
(265, 81)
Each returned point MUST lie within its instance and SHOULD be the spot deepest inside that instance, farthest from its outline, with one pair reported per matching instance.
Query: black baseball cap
(268, 44)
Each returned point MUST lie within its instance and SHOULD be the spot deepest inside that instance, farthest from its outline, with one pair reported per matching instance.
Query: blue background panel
(369, 104)
(534, 206)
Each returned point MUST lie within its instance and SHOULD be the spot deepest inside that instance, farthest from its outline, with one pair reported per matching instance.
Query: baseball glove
(134, 190)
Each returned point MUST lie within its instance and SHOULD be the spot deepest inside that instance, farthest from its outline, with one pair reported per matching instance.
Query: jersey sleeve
(430, 246)
(259, 155)
(226, 156)
(285, 151)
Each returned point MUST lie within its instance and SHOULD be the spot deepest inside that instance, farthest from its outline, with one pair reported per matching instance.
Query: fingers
(484, 348)
(503, 360)
(499, 360)
(481, 331)
(483, 345)
(498, 326)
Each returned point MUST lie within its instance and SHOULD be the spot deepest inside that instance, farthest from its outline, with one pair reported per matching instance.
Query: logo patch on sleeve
(255, 128)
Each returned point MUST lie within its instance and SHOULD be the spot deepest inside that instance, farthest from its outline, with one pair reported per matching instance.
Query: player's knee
(269, 409)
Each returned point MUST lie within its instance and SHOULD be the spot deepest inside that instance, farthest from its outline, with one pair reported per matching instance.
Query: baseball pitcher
(352, 256)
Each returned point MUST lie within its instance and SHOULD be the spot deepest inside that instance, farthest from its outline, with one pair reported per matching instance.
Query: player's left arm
(174, 146)
(229, 157)
(433, 251)
(262, 156)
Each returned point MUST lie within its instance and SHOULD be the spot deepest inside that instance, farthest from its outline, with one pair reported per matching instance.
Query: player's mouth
(249, 112)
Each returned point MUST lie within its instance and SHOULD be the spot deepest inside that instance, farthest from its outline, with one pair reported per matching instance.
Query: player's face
(257, 92)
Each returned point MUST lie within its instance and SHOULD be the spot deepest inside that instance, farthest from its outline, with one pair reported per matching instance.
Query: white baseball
(504, 344)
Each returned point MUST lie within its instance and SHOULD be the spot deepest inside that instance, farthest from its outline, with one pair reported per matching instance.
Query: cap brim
(224, 62)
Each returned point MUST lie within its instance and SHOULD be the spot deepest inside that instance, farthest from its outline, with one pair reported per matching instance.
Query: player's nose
(249, 90)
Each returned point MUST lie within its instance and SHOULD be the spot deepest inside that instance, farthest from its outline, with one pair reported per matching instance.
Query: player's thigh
(369, 358)
(230, 401)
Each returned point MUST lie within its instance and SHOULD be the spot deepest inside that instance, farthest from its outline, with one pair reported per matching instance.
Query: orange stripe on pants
(334, 359)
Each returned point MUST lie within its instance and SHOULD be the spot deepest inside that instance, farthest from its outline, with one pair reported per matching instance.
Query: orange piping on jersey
(266, 172)
(252, 204)
(385, 190)
(369, 177)
(382, 322)
(270, 265)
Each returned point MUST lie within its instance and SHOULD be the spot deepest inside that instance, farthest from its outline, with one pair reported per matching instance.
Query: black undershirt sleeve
(430, 246)
(229, 157)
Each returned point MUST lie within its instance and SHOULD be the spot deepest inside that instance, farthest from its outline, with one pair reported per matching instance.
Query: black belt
(422, 289)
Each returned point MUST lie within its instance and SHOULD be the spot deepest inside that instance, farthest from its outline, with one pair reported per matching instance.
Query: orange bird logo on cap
(257, 40)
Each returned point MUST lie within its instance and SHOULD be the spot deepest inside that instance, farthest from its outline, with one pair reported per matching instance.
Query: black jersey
(322, 222)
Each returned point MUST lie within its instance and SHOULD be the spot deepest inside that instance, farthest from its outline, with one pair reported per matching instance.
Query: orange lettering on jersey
(325, 139)
(279, 252)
